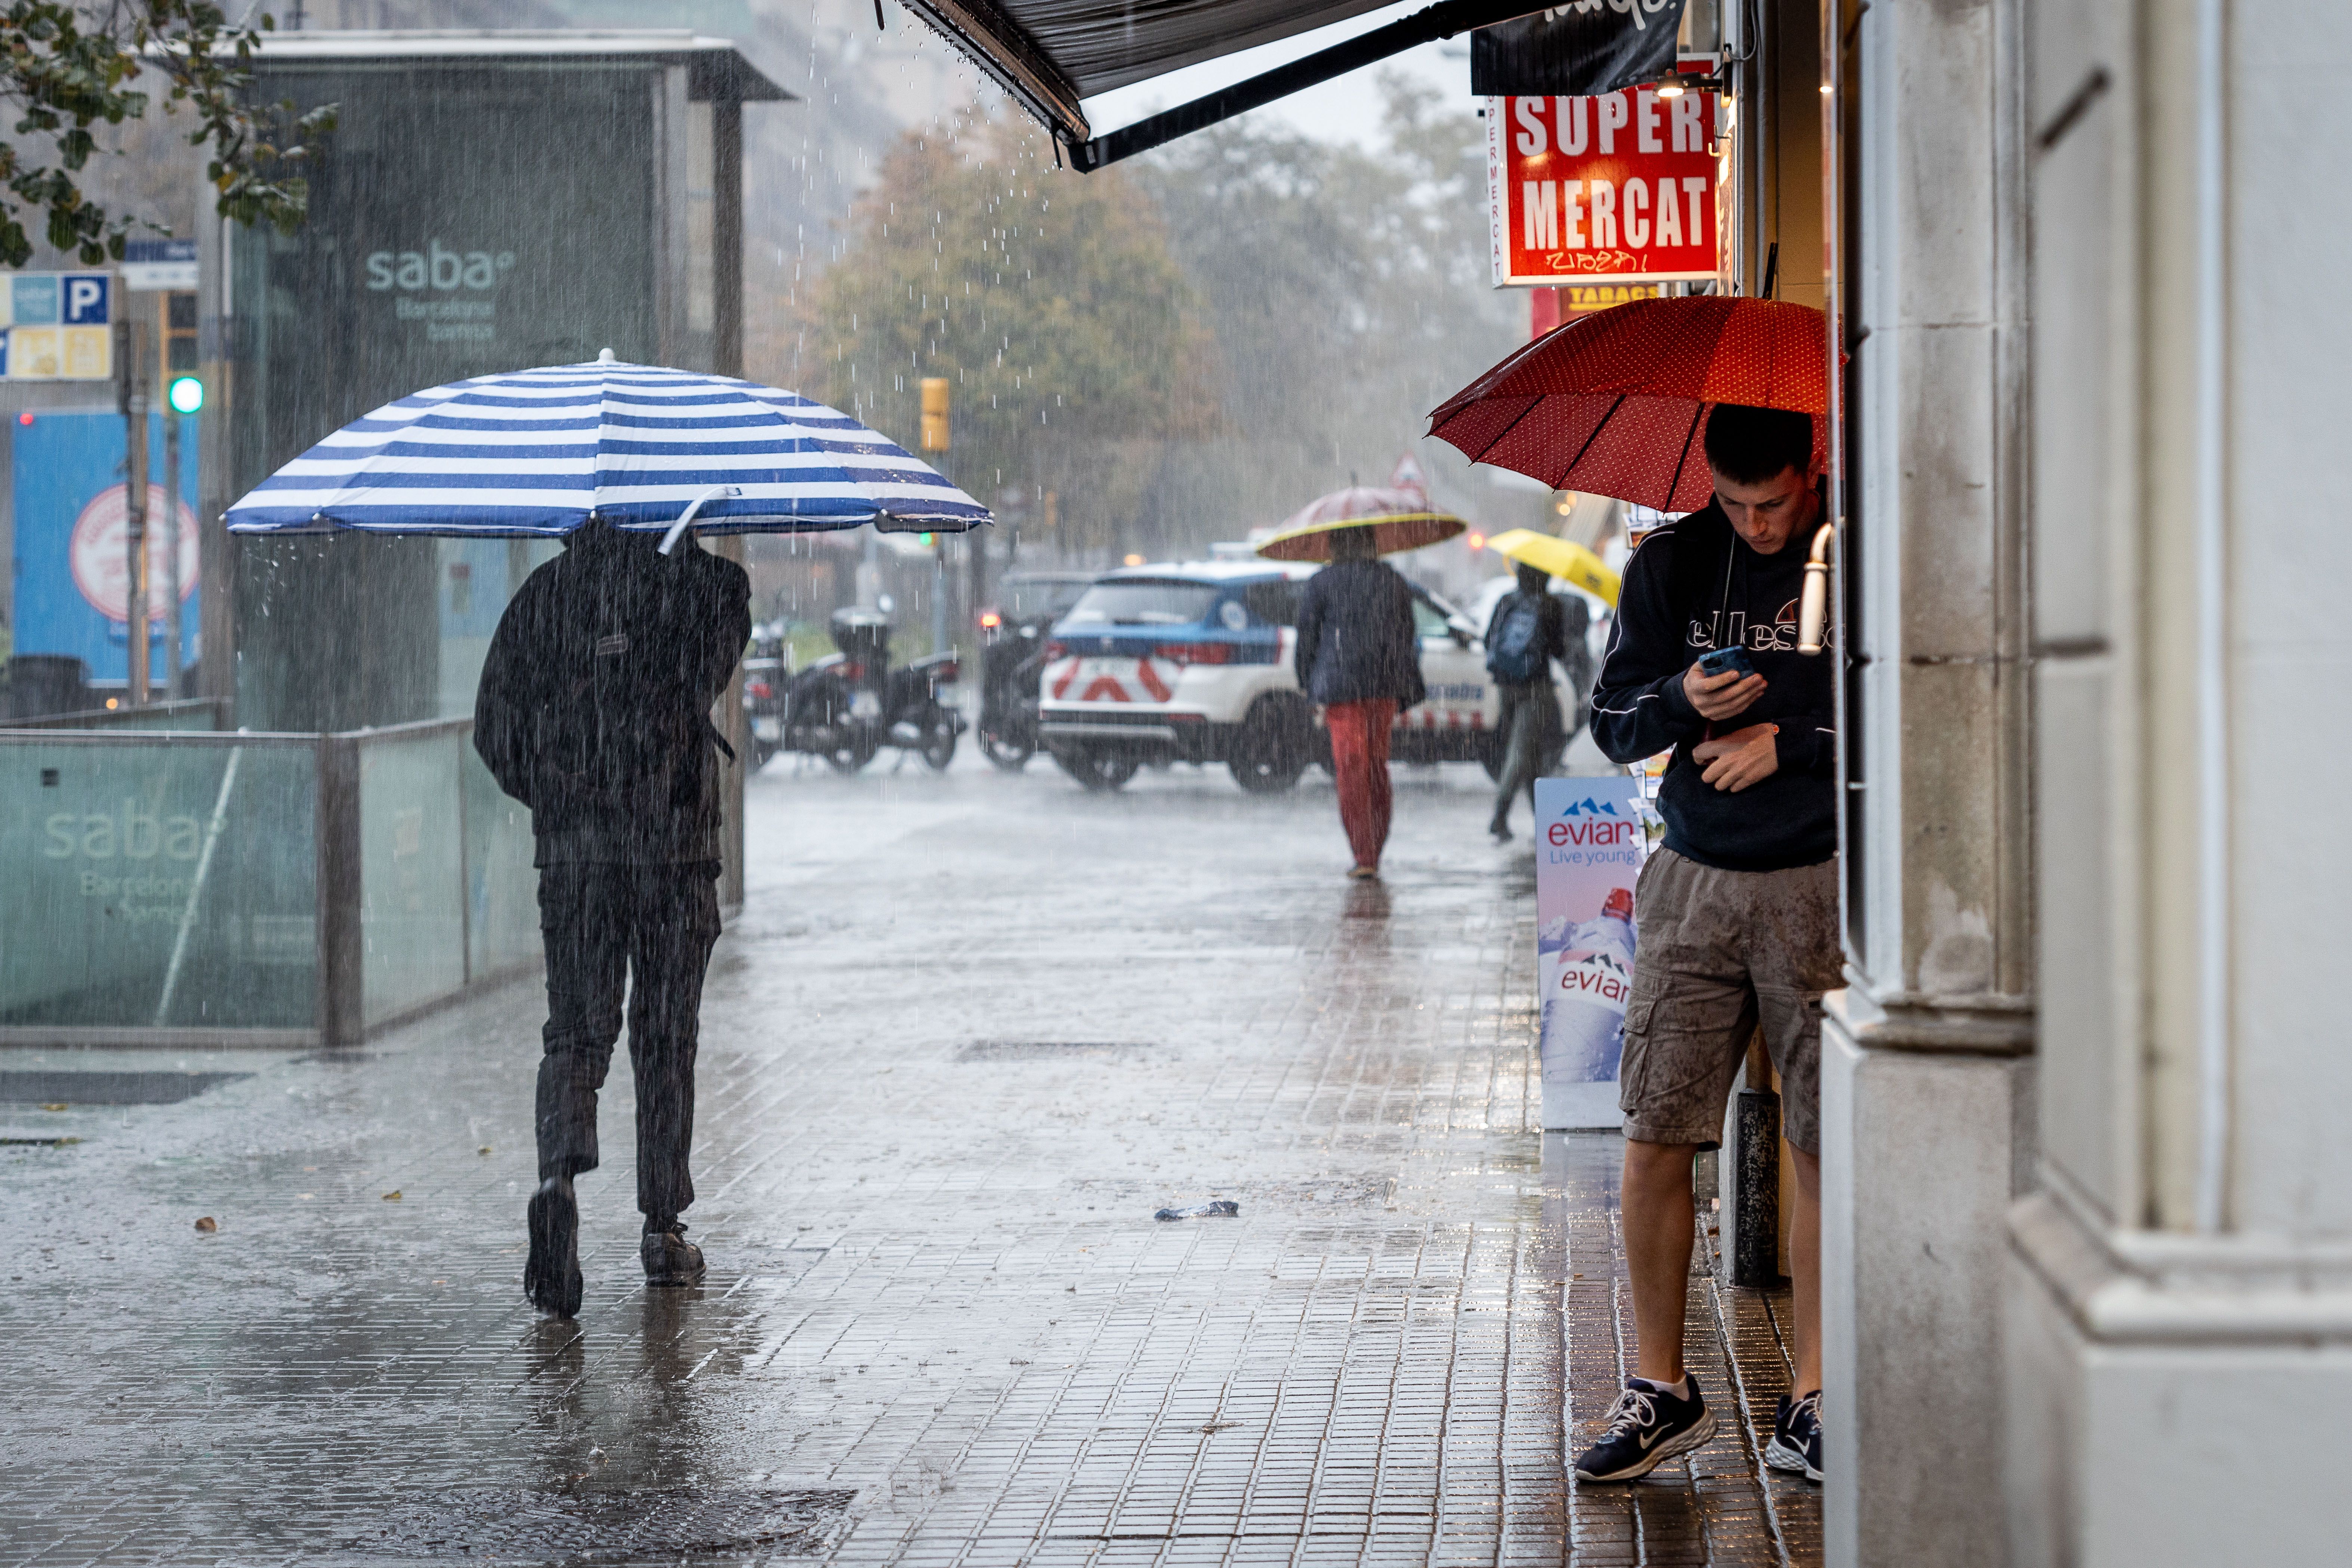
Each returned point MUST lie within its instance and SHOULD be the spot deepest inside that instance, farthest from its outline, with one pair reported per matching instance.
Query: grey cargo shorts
(1716, 953)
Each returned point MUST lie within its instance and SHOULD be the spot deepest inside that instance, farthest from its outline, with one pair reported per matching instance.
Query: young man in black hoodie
(1736, 915)
(594, 712)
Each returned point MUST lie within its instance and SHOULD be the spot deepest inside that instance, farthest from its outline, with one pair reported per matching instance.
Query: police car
(1192, 662)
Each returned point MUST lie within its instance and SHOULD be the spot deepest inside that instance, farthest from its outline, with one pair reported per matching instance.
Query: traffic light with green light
(186, 395)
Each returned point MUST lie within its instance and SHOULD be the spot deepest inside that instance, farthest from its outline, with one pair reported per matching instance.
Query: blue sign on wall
(72, 552)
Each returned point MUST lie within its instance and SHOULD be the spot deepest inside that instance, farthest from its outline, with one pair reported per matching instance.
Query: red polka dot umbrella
(1615, 402)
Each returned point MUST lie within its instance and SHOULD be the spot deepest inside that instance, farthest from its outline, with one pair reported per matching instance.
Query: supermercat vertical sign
(1625, 186)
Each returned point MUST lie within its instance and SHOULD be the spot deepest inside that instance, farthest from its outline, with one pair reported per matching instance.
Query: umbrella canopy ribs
(639, 446)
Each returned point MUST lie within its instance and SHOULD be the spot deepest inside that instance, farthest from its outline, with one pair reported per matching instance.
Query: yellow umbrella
(1568, 561)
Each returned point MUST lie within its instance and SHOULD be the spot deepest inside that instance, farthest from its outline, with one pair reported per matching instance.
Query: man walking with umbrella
(595, 708)
(594, 712)
(1359, 660)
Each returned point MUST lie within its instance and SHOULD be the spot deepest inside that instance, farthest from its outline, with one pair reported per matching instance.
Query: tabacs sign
(1622, 187)
(56, 326)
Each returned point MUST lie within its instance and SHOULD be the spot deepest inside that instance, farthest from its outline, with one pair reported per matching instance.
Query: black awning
(1050, 54)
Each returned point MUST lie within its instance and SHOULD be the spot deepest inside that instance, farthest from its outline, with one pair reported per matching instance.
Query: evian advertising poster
(1588, 847)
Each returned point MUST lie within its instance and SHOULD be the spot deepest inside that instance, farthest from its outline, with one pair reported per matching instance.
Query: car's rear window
(1133, 602)
(1277, 602)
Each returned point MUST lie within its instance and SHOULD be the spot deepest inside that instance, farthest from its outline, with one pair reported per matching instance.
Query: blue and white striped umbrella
(541, 451)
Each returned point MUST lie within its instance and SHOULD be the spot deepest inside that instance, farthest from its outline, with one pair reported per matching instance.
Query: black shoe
(550, 1276)
(1500, 830)
(670, 1259)
(1647, 1427)
(1795, 1445)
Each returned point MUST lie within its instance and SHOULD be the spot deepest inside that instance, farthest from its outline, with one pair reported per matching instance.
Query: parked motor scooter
(1013, 637)
(848, 705)
(767, 667)
(1012, 660)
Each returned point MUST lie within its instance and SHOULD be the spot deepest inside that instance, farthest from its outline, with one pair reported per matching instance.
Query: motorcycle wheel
(1099, 771)
(852, 755)
(939, 740)
(1004, 750)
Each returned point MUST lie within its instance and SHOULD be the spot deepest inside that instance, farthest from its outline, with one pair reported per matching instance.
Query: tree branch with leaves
(70, 69)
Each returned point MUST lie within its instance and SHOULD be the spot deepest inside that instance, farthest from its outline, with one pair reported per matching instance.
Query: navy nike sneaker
(1648, 1425)
(1795, 1445)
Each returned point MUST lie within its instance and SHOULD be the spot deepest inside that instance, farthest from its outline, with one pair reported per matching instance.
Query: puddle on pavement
(593, 1526)
(1045, 1050)
(68, 1086)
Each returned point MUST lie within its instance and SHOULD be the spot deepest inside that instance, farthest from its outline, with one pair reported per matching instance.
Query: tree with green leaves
(70, 69)
(1049, 302)
(1348, 293)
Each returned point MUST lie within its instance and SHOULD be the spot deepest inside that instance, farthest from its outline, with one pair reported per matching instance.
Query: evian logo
(1599, 977)
(1593, 833)
(436, 266)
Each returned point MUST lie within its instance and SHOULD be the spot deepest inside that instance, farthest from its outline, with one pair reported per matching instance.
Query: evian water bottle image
(1589, 846)
(1587, 972)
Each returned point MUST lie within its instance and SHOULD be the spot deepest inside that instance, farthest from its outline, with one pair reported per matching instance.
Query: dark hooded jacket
(595, 706)
(1693, 585)
(1355, 641)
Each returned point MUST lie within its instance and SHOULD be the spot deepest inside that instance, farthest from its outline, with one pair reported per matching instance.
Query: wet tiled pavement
(969, 1034)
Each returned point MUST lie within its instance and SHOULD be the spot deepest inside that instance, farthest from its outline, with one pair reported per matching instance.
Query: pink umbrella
(1399, 517)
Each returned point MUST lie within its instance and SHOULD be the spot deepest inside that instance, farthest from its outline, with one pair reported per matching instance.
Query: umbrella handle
(1813, 610)
(669, 539)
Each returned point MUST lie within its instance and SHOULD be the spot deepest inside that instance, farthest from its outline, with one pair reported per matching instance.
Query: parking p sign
(57, 326)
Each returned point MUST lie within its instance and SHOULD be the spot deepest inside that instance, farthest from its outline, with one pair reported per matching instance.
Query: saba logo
(436, 268)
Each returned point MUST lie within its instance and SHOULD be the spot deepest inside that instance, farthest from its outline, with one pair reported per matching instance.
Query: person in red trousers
(1359, 660)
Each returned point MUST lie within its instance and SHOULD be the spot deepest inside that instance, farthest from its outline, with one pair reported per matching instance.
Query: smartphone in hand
(1730, 660)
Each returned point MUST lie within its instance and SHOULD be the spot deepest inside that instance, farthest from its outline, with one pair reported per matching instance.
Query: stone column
(2178, 1300)
(1926, 1072)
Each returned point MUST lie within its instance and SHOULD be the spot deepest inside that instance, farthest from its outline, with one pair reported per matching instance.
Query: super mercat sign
(1625, 187)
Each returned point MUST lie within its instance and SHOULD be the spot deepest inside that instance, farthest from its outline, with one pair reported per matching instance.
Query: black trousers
(1530, 721)
(642, 932)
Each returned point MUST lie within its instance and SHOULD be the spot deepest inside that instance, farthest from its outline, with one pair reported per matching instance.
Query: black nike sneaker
(550, 1275)
(1647, 1427)
(1795, 1445)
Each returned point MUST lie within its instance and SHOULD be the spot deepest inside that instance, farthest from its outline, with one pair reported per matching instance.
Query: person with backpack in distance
(1358, 660)
(1735, 915)
(594, 712)
(1530, 630)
